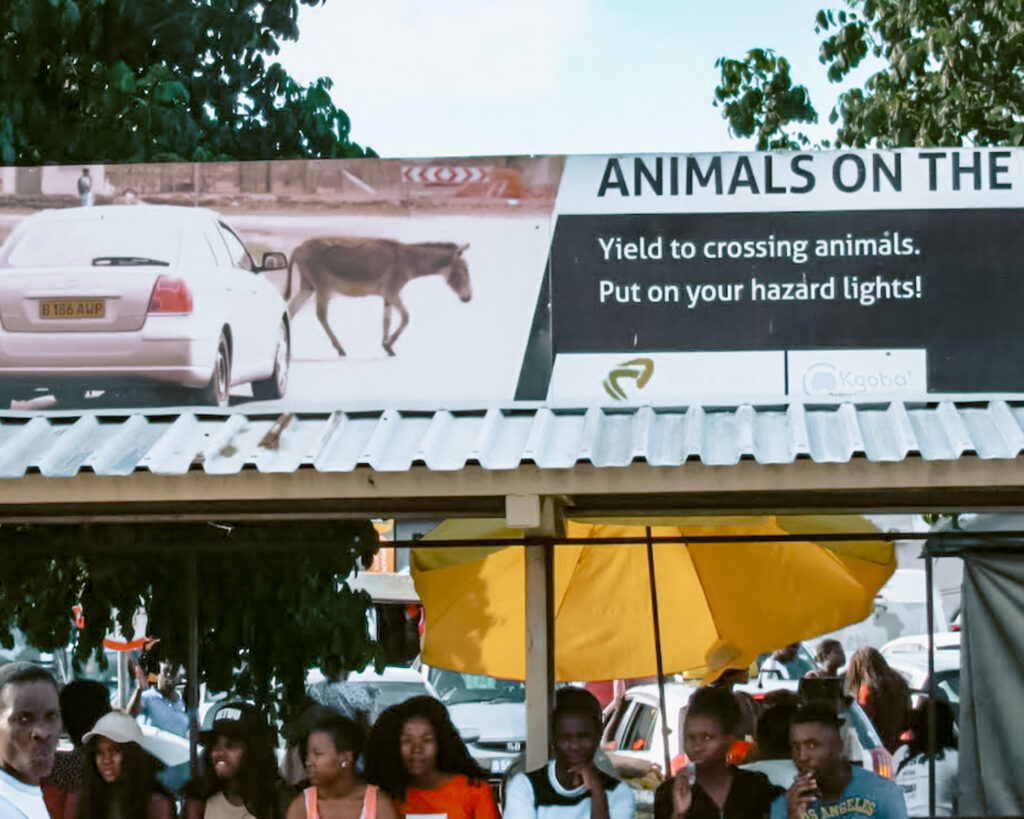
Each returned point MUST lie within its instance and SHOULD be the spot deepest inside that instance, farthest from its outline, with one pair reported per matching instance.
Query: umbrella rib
(704, 588)
(557, 604)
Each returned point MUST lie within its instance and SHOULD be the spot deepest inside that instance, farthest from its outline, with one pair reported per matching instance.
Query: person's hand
(801, 793)
(682, 794)
(587, 775)
(140, 676)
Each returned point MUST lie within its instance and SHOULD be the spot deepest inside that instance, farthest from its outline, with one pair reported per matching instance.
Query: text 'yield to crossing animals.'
(372, 267)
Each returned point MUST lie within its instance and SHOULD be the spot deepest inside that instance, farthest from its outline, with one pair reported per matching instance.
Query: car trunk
(78, 299)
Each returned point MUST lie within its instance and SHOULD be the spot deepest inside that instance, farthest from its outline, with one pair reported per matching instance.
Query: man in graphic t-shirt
(827, 784)
(570, 786)
(29, 729)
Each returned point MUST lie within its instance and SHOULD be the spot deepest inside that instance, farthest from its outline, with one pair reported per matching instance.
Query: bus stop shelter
(531, 467)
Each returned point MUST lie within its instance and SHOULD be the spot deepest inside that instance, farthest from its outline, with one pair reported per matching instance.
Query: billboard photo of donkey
(271, 286)
(372, 267)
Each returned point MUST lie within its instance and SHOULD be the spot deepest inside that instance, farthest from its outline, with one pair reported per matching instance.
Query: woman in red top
(416, 756)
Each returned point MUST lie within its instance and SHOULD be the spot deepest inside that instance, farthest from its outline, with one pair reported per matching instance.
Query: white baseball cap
(117, 727)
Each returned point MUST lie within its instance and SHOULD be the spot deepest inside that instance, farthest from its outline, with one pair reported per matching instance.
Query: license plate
(72, 309)
(500, 765)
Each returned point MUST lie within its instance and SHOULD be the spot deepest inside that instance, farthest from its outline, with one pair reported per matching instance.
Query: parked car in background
(909, 657)
(490, 714)
(632, 735)
(633, 738)
(105, 298)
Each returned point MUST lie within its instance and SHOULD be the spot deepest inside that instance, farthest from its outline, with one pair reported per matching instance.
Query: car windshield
(94, 242)
(453, 687)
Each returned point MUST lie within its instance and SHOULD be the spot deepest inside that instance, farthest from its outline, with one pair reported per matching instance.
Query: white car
(633, 737)
(490, 714)
(104, 298)
(909, 657)
(632, 731)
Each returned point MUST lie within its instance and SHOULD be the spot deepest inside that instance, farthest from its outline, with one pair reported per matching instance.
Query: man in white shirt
(29, 729)
(570, 786)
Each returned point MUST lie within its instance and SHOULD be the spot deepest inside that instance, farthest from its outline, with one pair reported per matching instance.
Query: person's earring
(344, 764)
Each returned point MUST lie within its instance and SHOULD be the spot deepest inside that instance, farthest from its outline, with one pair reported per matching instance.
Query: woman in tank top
(329, 753)
(238, 771)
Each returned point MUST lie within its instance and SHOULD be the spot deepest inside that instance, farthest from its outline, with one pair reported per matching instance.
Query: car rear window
(77, 242)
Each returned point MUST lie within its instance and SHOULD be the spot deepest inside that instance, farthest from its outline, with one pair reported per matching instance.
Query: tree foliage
(158, 80)
(953, 73)
(758, 97)
(272, 599)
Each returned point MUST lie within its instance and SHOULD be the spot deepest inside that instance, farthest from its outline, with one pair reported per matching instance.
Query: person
(29, 729)
(830, 657)
(826, 783)
(238, 776)
(911, 762)
(120, 776)
(163, 706)
(717, 789)
(416, 756)
(330, 749)
(82, 702)
(293, 767)
(882, 693)
(730, 678)
(772, 750)
(85, 188)
(356, 702)
(786, 664)
(570, 786)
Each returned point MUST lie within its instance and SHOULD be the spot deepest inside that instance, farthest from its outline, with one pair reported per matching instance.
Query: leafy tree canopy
(272, 598)
(954, 73)
(158, 80)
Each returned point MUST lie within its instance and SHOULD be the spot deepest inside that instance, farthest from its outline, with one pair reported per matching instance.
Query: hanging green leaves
(272, 598)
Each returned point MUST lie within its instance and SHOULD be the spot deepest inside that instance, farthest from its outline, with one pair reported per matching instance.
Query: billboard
(471, 283)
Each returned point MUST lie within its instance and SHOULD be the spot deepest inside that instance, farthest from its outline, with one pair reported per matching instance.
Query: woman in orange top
(416, 756)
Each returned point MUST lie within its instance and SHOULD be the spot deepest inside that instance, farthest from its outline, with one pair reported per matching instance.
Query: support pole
(657, 653)
(124, 693)
(540, 633)
(930, 716)
(192, 681)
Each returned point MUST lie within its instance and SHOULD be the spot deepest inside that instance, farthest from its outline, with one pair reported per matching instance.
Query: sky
(424, 78)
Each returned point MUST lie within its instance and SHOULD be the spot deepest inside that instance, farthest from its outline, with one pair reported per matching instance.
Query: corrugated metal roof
(391, 441)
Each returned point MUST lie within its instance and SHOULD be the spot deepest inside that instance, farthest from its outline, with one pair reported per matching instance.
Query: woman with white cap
(119, 780)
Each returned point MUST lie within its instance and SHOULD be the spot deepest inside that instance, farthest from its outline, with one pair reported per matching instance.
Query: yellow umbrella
(719, 604)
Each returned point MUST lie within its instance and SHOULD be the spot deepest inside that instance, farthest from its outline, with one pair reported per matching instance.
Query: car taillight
(881, 762)
(170, 295)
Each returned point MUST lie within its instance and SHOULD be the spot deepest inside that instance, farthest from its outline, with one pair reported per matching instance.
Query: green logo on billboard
(638, 369)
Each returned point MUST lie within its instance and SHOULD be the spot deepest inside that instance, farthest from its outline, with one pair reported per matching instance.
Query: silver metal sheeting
(61, 445)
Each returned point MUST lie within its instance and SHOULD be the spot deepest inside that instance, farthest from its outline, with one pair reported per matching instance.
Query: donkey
(372, 267)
